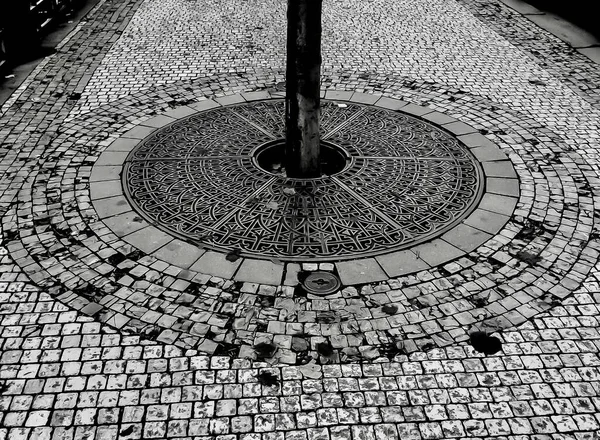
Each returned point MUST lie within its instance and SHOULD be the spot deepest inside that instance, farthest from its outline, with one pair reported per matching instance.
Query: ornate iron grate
(406, 182)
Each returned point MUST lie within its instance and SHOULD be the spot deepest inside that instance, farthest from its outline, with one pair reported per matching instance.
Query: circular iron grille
(407, 182)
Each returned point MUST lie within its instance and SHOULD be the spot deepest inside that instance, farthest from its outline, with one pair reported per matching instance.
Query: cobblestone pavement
(101, 340)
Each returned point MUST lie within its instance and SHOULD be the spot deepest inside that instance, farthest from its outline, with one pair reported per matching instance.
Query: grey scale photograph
(299, 220)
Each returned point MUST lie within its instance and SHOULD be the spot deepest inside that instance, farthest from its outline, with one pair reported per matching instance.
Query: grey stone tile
(230, 99)
(497, 203)
(139, 132)
(466, 237)
(525, 109)
(365, 270)
(338, 95)
(502, 168)
(158, 121)
(206, 104)
(256, 96)
(106, 188)
(291, 274)
(101, 173)
(364, 98)
(148, 239)
(181, 112)
(91, 309)
(401, 263)
(487, 221)
(459, 128)
(279, 95)
(488, 154)
(416, 110)
(215, 263)
(123, 144)
(179, 253)
(506, 187)
(260, 271)
(438, 118)
(390, 104)
(437, 252)
(474, 140)
(112, 158)
(125, 223)
(111, 206)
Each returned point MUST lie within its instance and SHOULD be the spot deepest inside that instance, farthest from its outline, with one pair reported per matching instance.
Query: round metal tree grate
(403, 181)
(321, 283)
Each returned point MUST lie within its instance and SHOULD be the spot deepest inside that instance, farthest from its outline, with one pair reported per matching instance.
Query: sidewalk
(117, 325)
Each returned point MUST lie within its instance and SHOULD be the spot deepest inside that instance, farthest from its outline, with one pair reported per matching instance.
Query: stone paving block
(364, 98)
(259, 271)
(181, 112)
(256, 96)
(438, 118)
(106, 188)
(206, 104)
(338, 95)
(291, 274)
(148, 239)
(416, 110)
(499, 169)
(125, 223)
(365, 270)
(437, 251)
(111, 206)
(101, 173)
(474, 140)
(401, 263)
(499, 204)
(505, 187)
(275, 94)
(112, 158)
(390, 104)
(158, 121)
(229, 99)
(490, 222)
(466, 237)
(91, 309)
(139, 132)
(459, 128)
(122, 144)
(216, 263)
(142, 369)
(179, 253)
(488, 154)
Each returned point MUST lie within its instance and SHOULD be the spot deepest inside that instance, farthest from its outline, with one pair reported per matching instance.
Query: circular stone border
(497, 204)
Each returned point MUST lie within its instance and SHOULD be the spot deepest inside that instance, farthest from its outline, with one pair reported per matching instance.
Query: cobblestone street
(153, 283)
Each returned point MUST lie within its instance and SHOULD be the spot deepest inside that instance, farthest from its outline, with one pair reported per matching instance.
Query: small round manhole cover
(321, 283)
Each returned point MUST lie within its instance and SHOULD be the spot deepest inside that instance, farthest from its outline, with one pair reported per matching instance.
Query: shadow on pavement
(15, 71)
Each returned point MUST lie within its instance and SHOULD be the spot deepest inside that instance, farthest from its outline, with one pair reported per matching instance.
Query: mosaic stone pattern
(95, 336)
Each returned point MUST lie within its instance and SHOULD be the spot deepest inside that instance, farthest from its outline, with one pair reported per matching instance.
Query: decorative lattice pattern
(407, 181)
